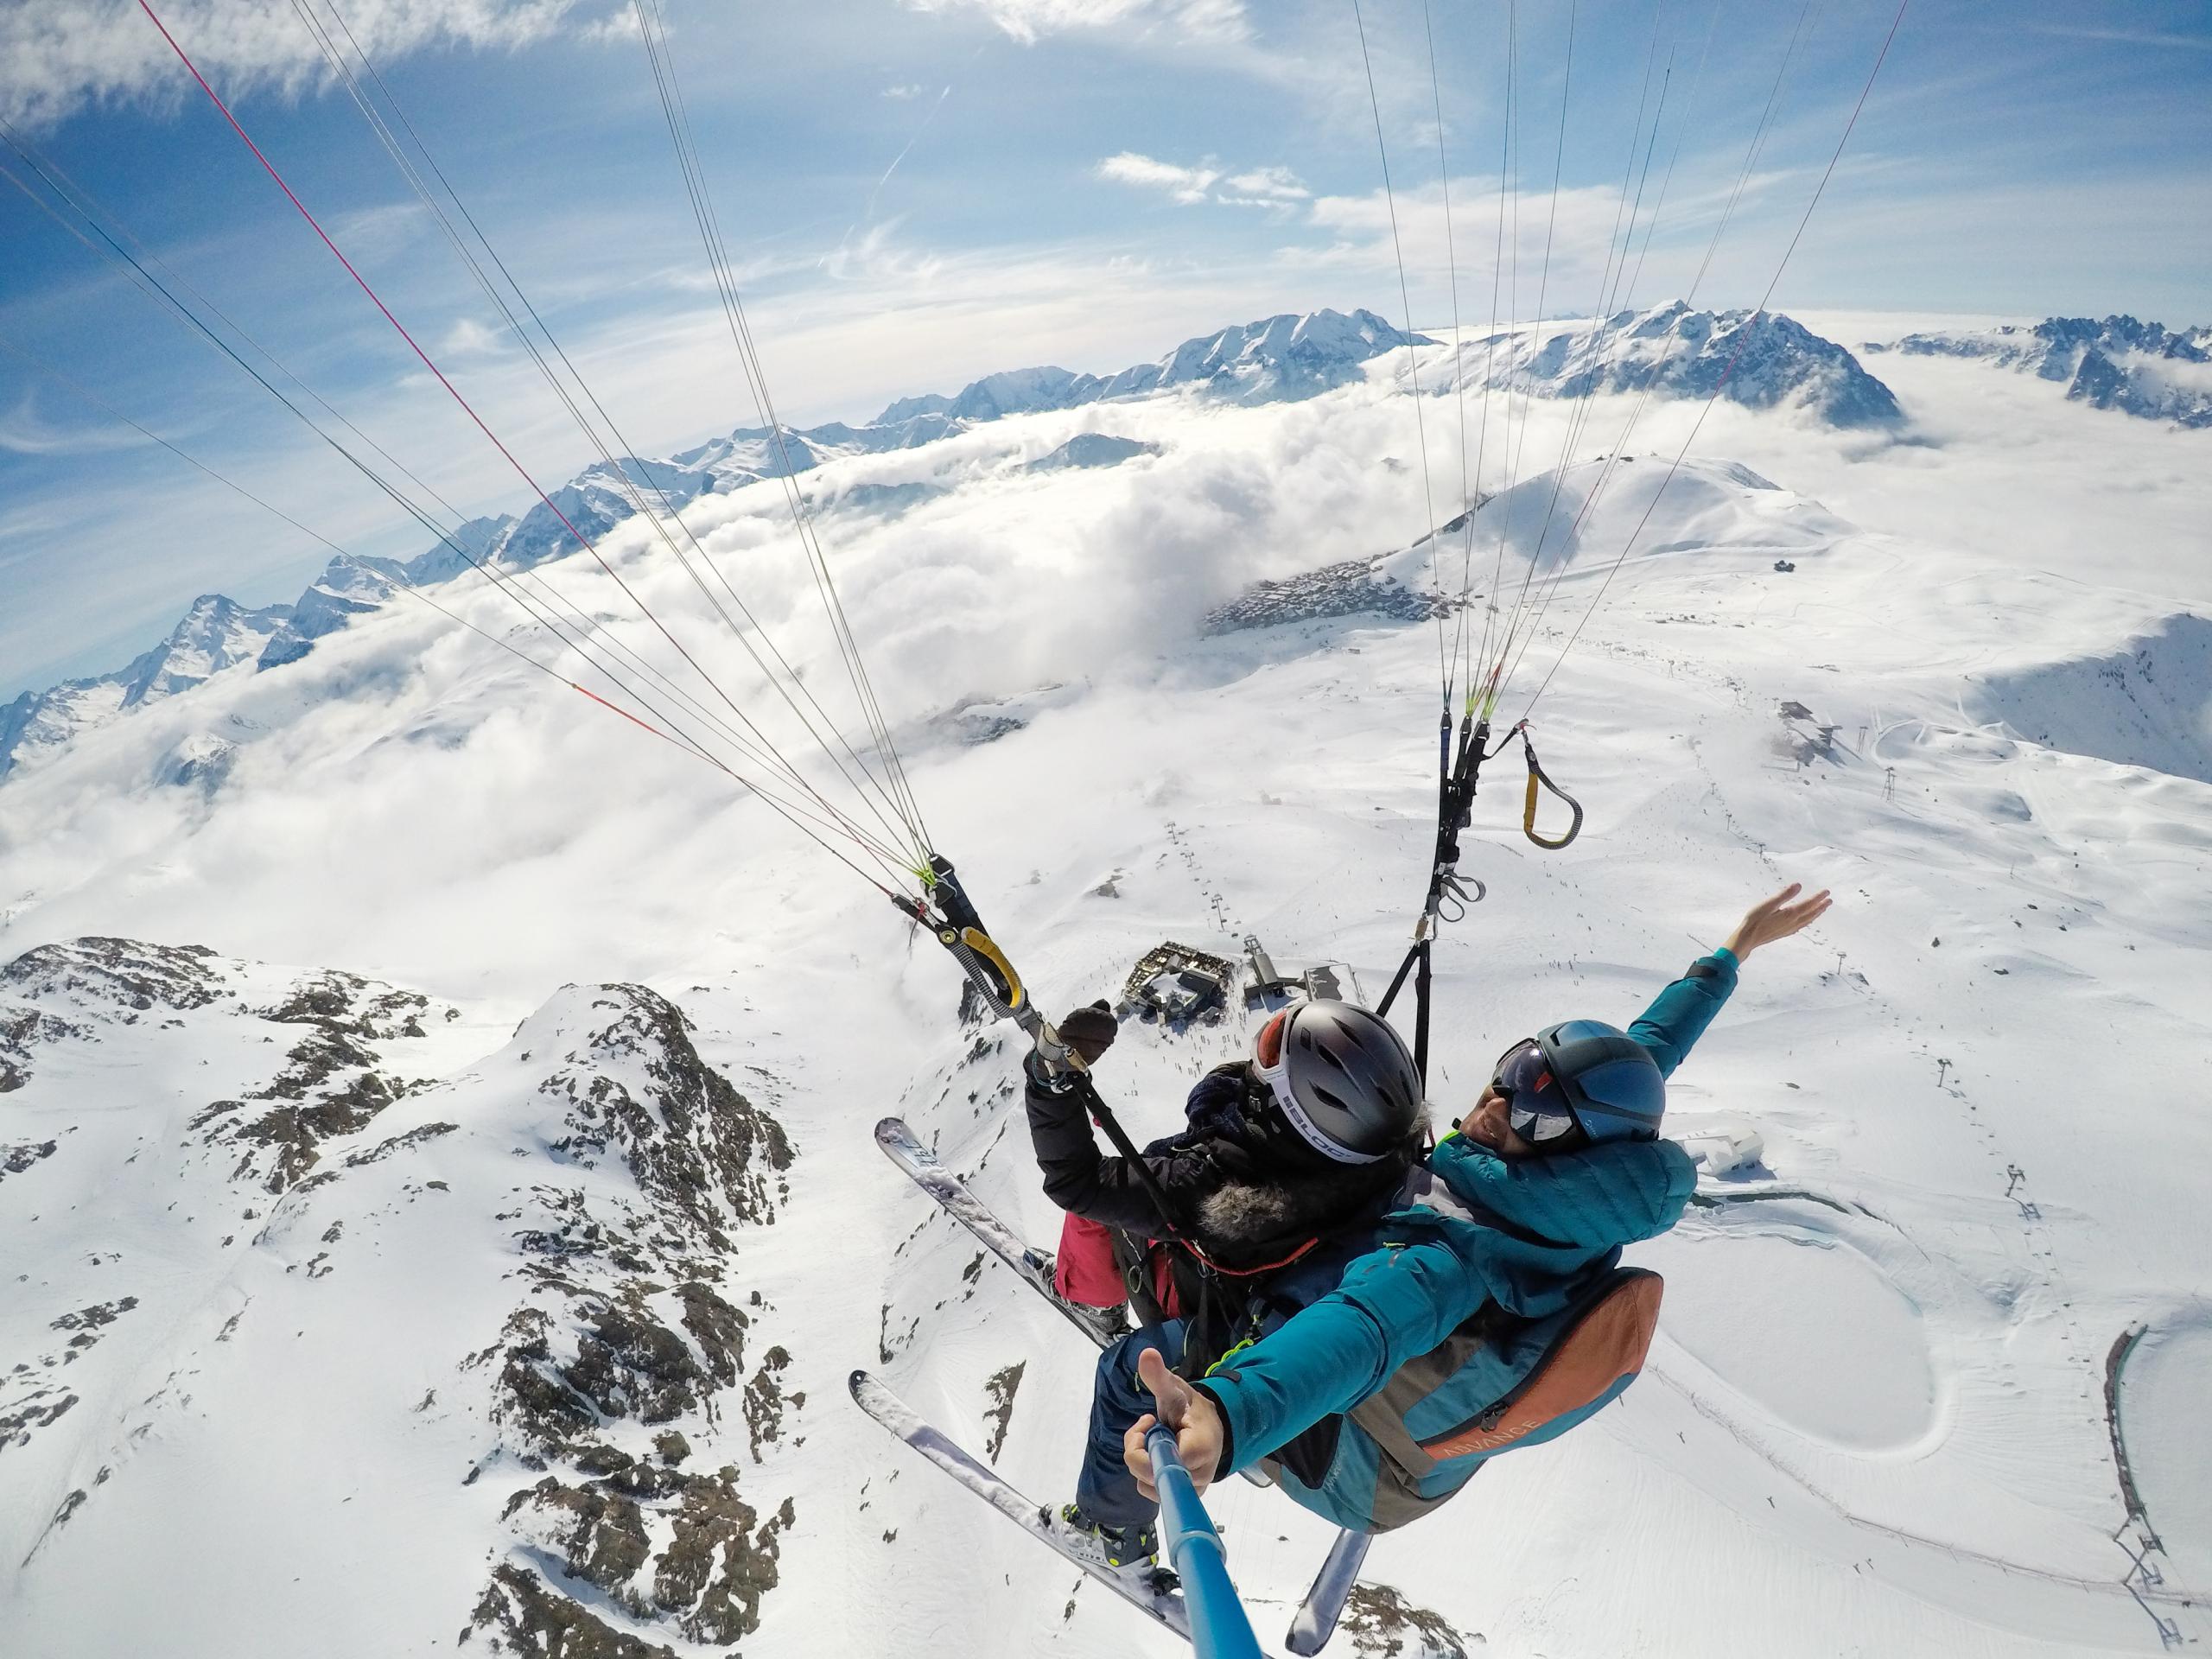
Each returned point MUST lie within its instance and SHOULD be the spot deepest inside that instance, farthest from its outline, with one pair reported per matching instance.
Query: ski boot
(1107, 1325)
(1132, 1550)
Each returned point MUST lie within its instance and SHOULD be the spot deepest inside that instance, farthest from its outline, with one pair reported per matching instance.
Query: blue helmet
(1615, 1087)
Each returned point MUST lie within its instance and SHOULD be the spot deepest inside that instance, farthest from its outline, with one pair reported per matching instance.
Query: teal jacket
(1527, 1234)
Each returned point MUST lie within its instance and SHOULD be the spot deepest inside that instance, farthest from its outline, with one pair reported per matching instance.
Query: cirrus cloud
(1029, 21)
(1259, 187)
(59, 56)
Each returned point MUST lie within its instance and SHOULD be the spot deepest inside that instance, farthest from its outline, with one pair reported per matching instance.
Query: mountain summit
(2142, 369)
(1282, 359)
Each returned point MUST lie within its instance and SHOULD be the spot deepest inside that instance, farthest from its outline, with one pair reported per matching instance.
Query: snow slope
(1875, 1419)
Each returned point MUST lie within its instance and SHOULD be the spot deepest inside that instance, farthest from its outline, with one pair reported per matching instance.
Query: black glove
(1091, 1031)
(1085, 1035)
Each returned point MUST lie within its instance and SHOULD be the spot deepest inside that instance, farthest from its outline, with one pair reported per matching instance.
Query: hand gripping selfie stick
(1219, 1629)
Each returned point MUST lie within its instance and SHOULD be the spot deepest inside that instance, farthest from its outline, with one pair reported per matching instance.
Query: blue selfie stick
(1219, 1629)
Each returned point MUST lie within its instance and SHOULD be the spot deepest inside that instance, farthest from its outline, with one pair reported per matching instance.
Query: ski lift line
(678, 117)
(1458, 374)
(507, 583)
(1744, 339)
(362, 282)
(770, 755)
(1504, 670)
(84, 202)
(178, 312)
(1413, 360)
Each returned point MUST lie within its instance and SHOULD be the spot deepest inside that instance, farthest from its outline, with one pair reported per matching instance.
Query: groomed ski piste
(280, 1371)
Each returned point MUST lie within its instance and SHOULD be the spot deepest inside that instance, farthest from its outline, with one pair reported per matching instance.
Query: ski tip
(891, 1129)
(859, 1383)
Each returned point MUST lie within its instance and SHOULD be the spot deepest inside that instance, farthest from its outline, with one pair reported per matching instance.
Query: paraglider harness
(1174, 1276)
(1200, 1287)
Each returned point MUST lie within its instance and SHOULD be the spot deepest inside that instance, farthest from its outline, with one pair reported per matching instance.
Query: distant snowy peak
(1091, 449)
(1280, 359)
(216, 633)
(1277, 359)
(2139, 368)
(1759, 359)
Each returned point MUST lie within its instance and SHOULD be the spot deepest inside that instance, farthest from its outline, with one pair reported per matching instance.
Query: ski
(953, 1197)
(1141, 1591)
(1316, 1621)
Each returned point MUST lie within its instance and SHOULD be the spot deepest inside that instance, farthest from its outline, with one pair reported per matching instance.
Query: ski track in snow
(1951, 1156)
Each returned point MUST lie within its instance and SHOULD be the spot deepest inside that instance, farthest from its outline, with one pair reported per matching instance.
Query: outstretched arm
(1777, 919)
(1679, 1014)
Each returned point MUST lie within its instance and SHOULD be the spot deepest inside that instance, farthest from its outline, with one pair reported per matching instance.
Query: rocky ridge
(2141, 369)
(553, 1237)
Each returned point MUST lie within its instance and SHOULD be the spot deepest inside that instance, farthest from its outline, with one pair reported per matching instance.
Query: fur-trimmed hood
(1272, 1192)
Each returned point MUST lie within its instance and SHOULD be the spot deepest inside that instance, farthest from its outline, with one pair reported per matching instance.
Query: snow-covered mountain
(217, 634)
(602, 1062)
(304, 1263)
(2138, 368)
(1686, 354)
(1276, 359)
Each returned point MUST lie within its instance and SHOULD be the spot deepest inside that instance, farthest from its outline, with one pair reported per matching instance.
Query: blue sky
(919, 193)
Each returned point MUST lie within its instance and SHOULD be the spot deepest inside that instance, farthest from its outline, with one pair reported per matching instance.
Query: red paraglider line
(269, 166)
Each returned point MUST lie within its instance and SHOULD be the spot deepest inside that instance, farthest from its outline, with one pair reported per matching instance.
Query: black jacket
(1239, 1183)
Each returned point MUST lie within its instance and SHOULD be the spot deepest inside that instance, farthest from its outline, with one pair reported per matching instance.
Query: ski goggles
(1536, 1107)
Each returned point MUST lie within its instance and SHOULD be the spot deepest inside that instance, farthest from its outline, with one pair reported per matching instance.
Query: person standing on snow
(1516, 1214)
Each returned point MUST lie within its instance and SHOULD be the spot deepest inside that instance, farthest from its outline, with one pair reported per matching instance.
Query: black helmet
(1343, 1077)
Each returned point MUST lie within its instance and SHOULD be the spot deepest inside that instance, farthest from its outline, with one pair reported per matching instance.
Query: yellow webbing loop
(1538, 777)
(979, 943)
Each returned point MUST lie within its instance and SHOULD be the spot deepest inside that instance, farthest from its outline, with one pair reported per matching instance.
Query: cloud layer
(60, 56)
